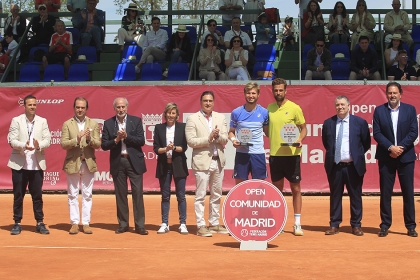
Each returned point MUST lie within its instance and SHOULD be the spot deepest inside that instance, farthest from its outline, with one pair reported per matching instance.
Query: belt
(215, 157)
(345, 163)
(125, 156)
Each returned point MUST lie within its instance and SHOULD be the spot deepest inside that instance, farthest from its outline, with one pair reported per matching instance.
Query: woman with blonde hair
(361, 24)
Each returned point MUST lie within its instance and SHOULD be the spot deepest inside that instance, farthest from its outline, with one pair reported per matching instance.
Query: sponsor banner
(254, 210)
(148, 102)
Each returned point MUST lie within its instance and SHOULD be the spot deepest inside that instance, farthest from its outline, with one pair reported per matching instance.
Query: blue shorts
(254, 163)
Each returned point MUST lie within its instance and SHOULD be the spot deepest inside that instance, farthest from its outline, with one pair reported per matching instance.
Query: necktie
(337, 154)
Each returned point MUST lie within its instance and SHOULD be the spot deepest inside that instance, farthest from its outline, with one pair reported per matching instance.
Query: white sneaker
(183, 229)
(297, 230)
(163, 229)
(137, 69)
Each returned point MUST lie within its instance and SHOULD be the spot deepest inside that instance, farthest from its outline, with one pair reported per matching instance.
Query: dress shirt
(394, 118)
(170, 136)
(209, 122)
(81, 126)
(122, 125)
(156, 39)
(345, 144)
(318, 59)
(31, 161)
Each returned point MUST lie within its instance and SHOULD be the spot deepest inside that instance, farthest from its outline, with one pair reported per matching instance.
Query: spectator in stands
(211, 29)
(12, 45)
(288, 33)
(210, 59)
(60, 49)
(52, 5)
(132, 27)
(391, 53)
(14, 24)
(303, 4)
(249, 19)
(313, 23)
(43, 28)
(416, 66)
(364, 61)
(236, 31)
(227, 5)
(338, 24)
(75, 6)
(264, 30)
(90, 23)
(180, 45)
(236, 59)
(397, 22)
(154, 46)
(402, 71)
(361, 24)
(318, 62)
(4, 61)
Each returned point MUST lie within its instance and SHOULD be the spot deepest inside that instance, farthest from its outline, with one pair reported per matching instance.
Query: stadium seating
(222, 29)
(265, 52)
(32, 52)
(29, 73)
(340, 70)
(75, 34)
(78, 73)
(415, 49)
(168, 30)
(263, 71)
(89, 52)
(131, 50)
(53, 72)
(415, 33)
(340, 48)
(178, 72)
(192, 33)
(151, 72)
(125, 72)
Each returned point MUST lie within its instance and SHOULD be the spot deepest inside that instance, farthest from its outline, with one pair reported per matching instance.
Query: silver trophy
(289, 133)
(245, 136)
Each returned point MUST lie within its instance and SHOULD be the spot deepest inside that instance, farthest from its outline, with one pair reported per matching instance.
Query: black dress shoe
(412, 232)
(121, 230)
(142, 231)
(383, 232)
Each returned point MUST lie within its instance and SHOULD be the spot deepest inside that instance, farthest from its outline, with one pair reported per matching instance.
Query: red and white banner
(148, 102)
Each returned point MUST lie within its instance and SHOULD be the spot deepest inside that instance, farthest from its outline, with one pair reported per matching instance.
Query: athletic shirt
(253, 120)
(67, 39)
(288, 113)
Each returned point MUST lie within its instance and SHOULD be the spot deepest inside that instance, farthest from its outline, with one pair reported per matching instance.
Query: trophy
(289, 133)
(244, 137)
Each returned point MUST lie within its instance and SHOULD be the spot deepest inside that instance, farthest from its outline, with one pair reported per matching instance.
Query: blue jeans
(95, 34)
(178, 56)
(165, 188)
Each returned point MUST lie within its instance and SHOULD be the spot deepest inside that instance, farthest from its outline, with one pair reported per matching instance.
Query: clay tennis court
(106, 255)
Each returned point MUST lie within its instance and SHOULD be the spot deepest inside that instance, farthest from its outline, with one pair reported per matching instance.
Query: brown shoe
(74, 229)
(332, 231)
(357, 231)
(87, 229)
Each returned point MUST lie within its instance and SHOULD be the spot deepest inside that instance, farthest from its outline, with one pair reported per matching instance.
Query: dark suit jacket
(179, 160)
(20, 28)
(407, 131)
(98, 21)
(359, 142)
(325, 59)
(134, 142)
(43, 32)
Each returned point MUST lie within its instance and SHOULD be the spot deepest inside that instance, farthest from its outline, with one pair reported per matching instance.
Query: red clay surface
(106, 255)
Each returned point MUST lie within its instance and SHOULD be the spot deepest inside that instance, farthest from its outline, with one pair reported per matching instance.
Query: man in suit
(206, 133)
(123, 135)
(80, 138)
(346, 139)
(90, 23)
(28, 136)
(318, 62)
(395, 129)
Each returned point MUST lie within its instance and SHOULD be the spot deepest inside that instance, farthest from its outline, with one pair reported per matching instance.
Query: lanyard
(30, 131)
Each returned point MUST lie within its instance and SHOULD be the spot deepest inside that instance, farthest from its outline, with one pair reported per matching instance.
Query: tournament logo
(149, 123)
(51, 177)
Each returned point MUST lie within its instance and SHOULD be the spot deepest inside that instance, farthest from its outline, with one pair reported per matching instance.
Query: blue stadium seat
(222, 29)
(192, 33)
(151, 72)
(125, 72)
(263, 66)
(132, 50)
(178, 72)
(415, 33)
(306, 49)
(168, 30)
(340, 48)
(340, 70)
(54, 72)
(75, 34)
(32, 52)
(78, 73)
(89, 52)
(29, 73)
(265, 52)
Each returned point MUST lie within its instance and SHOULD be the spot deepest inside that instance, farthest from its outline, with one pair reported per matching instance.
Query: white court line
(183, 249)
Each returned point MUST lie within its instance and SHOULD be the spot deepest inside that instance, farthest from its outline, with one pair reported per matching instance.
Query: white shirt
(210, 123)
(245, 38)
(31, 163)
(122, 125)
(345, 143)
(394, 118)
(156, 39)
(228, 17)
(12, 46)
(170, 136)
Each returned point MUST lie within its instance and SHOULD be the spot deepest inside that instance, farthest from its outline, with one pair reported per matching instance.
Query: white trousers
(123, 37)
(238, 73)
(213, 179)
(82, 180)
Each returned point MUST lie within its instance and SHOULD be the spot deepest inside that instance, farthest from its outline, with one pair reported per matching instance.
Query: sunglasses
(212, 24)
(404, 56)
(42, 8)
(320, 45)
(236, 41)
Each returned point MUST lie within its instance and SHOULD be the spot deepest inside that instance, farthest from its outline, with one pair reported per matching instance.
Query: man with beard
(395, 129)
(285, 160)
(253, 118)
(123, 135)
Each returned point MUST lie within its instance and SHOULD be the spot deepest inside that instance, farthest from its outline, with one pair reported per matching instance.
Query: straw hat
(181, 28)
(132, 6)
(81, 58)
(396, 37)
(42, 5)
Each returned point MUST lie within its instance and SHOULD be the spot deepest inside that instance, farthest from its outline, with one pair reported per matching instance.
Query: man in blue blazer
(346, 139)
(395, 129)
(123, 135)
(90, 22)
